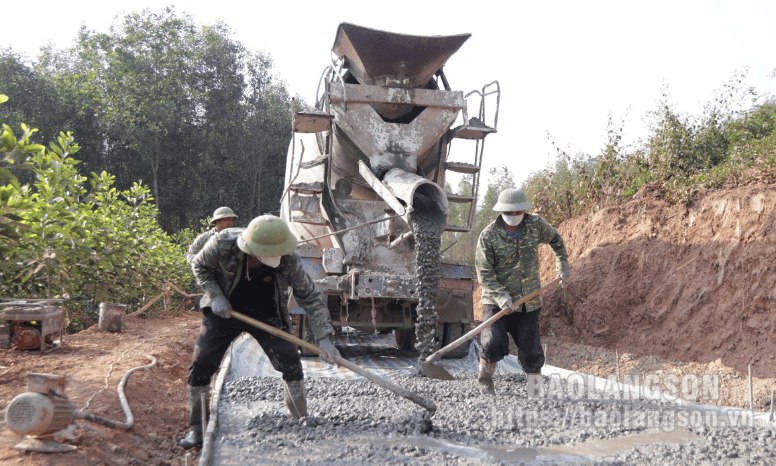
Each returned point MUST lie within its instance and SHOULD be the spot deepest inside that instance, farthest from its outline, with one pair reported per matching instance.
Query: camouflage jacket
(218, 269)
(198, 244)
(508, 269)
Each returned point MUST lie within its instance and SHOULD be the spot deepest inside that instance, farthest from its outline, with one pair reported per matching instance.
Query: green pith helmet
(223, 212)
(512, 200)
(267, 236)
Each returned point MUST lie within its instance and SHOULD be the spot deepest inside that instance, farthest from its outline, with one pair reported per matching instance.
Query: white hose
(124, 404)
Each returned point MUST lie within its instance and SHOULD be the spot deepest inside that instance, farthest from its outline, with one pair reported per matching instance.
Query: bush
(84, 246)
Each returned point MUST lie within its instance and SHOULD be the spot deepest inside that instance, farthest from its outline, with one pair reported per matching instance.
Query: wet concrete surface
(358, 422)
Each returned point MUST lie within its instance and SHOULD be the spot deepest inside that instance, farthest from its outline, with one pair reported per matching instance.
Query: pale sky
(563, 66)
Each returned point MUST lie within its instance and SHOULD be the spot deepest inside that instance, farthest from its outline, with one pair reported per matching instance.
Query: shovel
(435, 371)
(401, 391)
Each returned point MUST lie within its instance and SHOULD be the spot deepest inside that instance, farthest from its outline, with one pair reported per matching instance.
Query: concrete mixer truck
(364, 186)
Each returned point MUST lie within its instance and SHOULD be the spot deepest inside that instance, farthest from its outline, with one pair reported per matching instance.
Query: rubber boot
(194, 437)
(485, 378)
(293, 392)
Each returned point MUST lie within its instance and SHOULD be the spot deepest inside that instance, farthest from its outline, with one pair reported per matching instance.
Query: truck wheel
(405, 338)
(303, 331)
(448, 332)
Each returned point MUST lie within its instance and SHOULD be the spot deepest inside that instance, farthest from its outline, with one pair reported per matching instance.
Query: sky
(563, 67)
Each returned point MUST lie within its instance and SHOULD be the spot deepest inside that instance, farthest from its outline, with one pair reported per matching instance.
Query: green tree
(184, 108)
(42, 100)
(150, 93)
(82, 244)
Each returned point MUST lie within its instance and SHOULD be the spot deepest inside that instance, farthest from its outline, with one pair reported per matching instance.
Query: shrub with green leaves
(82, 242)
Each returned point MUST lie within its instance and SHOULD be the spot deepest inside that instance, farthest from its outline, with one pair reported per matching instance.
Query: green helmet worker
(249, 270)
(268, 238)
(223, 218)
(507, 263)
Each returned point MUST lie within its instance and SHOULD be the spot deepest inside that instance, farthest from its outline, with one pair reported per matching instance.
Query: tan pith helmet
(222, 212)
(267, 236)
(512, 200)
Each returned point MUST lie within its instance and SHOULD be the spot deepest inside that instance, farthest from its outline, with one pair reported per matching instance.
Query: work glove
(221, 306)
(564, 277)
(330, 353)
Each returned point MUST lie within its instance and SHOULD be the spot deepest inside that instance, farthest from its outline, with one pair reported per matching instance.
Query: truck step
(317, 220)
(312, 122)
(307, 188)
(462, 167)
(314, 163)
(459, 198)
(470, 131)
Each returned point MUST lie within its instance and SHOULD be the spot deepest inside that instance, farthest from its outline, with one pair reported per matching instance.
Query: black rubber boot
(194, 437)
(295, 398)
(485, 378)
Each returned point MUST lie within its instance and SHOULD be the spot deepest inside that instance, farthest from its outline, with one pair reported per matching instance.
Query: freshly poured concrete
(357, 422)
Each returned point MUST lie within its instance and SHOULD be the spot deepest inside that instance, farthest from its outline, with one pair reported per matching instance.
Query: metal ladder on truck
(305, 197)
(472, 129)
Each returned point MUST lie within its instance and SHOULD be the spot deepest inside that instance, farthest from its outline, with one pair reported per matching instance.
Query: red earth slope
(685, 283)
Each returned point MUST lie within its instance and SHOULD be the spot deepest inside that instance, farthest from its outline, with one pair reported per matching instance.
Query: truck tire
(448, 332)
(405, 338)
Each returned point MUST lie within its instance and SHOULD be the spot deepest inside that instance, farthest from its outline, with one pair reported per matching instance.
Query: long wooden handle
(476, 330)
(401, 391)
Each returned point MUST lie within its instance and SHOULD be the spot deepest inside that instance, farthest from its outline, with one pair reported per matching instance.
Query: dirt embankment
(684, 283)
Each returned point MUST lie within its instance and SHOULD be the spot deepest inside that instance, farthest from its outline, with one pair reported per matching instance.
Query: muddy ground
(658, 283)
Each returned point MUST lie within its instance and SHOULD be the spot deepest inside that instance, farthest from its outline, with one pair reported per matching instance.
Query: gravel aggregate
(358, 422)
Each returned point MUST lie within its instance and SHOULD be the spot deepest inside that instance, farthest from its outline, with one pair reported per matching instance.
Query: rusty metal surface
(46, 383)
(405, 185)
(386, 286)
(375, 94)
(20, 315)
(371, 53)
(308, 122)
(371, 134)
(381, 189)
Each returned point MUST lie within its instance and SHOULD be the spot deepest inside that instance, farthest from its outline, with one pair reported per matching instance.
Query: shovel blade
(435, 372)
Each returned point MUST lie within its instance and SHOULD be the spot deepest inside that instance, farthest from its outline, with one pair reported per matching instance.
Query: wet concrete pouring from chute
(428, 237)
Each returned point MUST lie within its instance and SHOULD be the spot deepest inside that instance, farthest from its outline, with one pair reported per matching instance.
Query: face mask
(512, 220)
(270, 261)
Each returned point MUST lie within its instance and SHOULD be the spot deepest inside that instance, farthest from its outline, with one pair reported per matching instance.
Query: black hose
(124, 404)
